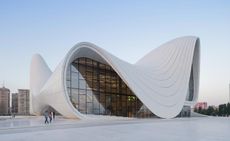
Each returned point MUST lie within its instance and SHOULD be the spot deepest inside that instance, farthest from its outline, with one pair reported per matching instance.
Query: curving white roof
(160, 79)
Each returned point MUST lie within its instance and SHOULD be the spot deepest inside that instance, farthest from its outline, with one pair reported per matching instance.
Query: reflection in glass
(95, 88)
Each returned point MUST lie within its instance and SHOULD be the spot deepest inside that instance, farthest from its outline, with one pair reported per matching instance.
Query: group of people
(49, 116)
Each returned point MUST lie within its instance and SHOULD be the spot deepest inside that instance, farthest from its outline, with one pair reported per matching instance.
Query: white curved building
(91, 81)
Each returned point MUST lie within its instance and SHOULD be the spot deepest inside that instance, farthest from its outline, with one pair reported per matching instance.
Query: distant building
(201, 105)
(4, 101)
(23, 101)
(15, 103)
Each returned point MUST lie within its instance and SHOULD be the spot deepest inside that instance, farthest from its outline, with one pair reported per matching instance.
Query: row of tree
(221, 110)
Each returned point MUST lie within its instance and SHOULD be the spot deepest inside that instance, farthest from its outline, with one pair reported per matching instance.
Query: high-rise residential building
(15, 103)
(4, 101)
(23, 101)
(201, 105)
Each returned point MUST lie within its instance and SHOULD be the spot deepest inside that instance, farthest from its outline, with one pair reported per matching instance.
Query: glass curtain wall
(95, 88)
(190, 93)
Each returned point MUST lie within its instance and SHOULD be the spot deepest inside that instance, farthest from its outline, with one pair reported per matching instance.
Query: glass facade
(95, 88)
(185, 112)
(190, 93)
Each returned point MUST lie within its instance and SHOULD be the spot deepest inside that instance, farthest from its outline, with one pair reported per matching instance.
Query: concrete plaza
(116, 129)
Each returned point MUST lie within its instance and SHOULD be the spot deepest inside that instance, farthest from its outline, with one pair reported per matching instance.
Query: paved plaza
(116, 129)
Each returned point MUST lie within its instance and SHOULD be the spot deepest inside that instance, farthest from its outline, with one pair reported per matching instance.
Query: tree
(210, 111)
(199, 110)
(222, 110)
(228, 109)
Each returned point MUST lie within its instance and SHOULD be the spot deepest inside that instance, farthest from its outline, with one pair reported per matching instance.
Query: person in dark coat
(46, 115)
(53, 115)
(50, 116)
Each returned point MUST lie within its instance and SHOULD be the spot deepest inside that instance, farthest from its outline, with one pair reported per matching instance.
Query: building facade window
(95, 88)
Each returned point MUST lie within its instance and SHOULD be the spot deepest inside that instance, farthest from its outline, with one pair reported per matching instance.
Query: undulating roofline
(165, 80)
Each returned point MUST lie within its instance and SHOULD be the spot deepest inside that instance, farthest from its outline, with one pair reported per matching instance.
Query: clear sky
(52, 27)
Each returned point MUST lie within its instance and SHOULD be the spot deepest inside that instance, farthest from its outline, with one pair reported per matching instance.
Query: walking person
(53, 115)
(46, 115)
(50, 116)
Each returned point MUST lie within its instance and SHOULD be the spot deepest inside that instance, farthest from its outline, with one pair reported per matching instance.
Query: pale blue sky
(52, 27)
